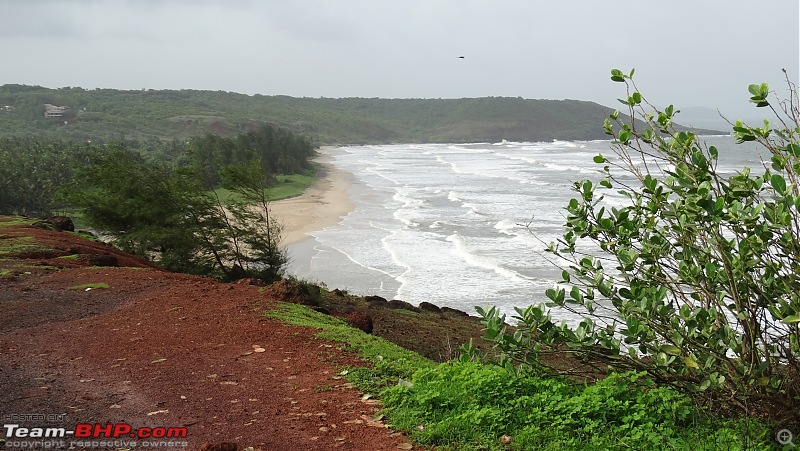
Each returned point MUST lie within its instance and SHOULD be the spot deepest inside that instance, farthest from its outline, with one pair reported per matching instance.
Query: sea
(462, 225)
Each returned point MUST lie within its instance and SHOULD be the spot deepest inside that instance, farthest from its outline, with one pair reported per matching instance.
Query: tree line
(157, 199)
(141, 115)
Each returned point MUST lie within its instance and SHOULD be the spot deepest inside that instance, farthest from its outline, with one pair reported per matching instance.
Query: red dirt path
(161, 349)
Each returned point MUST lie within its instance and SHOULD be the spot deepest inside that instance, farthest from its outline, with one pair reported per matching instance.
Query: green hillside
(107, 114)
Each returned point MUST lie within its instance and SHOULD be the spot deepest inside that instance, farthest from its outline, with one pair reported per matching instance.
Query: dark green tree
(166, 215)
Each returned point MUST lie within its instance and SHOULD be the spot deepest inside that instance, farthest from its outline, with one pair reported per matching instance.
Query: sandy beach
(322, 205)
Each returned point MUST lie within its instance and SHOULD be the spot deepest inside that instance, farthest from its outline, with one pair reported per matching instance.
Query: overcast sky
(686, 52)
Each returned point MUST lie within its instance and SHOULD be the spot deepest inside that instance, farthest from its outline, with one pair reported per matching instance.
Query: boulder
(291, 291)
(62, 223)
(428, 307)
(398, 304)
(453, 311)
(376, 302)
(359, 321)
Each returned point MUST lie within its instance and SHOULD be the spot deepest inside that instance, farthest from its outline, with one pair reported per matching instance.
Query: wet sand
(322, 205)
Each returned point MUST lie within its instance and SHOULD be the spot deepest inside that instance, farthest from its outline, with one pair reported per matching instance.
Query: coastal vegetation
(140, 117)
(37, 167)
(160, 203)
(466, 405)
(693, 286)
(689, 294)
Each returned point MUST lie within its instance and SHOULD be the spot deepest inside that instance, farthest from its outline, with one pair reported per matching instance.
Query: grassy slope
(467, 406)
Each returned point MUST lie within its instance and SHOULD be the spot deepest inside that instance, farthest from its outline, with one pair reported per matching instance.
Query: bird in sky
(461, 57)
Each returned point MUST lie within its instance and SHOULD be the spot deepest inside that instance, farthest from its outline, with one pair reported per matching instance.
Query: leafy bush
(466, 405)
(166, 215)
(697, 280)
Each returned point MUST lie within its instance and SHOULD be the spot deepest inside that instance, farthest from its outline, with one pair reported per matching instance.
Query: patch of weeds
(93, 286)
(323, 388)
(47, 267)
(10, 221)
(20, 245)
(70, 257)
(406, 312)
(468, 405)
(86, 235)
(4, 272)
(389, 361)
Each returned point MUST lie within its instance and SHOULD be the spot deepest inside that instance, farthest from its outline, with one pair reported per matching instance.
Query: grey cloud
(685, 52)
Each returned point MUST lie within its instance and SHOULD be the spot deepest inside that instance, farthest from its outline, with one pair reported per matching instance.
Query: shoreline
(322, 205)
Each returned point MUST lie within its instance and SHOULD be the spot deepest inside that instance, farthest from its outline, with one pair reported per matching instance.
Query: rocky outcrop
(398, 304)
(290, 291)
(428, 307)
(359, 321)
(62, 223)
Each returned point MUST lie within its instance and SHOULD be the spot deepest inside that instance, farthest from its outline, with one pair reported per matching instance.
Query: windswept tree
(166, 215)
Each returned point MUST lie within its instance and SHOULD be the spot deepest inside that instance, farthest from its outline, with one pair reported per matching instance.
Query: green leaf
(575, 294)
(690, 362)
(599, 159)
(779, 183)
(792, 319)
(671, 349)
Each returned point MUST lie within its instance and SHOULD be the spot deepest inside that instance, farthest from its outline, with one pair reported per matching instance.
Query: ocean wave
(474, 259)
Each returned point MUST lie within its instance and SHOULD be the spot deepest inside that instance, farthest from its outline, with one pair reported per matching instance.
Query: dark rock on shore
(454, 311)
(376, 302)
(428, 307)
(398, 304)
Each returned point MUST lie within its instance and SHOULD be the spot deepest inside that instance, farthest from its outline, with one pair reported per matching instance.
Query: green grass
(94, 286)
(9, 221)
(471, 406)
(19, 245)
(78, 218)
(288, 186)
(390, 362)
(70, 257)
(468, 406)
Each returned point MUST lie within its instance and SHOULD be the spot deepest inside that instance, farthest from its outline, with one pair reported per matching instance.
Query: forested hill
(107, 114)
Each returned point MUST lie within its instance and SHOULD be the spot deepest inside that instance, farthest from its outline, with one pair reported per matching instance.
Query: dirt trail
(156, 349)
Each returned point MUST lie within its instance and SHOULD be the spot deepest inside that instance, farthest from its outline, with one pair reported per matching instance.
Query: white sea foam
(473, 258)
(459, 224)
